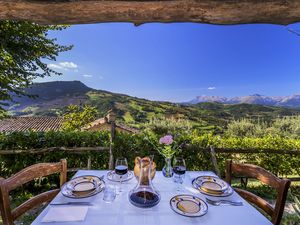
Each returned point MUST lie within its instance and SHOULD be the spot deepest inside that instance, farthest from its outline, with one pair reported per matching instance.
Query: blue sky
(176, 62)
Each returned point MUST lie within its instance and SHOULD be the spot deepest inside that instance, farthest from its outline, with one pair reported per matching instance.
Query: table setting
(146, 196)
(190, 205)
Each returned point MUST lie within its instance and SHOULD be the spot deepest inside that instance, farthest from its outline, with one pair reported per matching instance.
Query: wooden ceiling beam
(144, 11)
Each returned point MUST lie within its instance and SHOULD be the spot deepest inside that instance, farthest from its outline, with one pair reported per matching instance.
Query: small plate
(188, 205)
(81, 188)
(225, 193)
(112, 176)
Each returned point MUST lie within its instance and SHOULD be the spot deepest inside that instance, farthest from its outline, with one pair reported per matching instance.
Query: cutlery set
(223, 202)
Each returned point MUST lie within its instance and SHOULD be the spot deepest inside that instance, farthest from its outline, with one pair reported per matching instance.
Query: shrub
(288, 127)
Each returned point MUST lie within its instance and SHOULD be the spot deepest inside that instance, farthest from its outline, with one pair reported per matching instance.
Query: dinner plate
(206, 191)
(211, 184)
(83, 183)
(112, 176)
(83, 187)
(188, 205)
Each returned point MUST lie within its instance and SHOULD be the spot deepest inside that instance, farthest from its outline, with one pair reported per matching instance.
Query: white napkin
(65, 214)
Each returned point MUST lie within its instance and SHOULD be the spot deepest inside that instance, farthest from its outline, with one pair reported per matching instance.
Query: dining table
(122, 212)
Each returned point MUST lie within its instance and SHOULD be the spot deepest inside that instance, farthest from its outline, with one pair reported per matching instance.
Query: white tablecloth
(122, 212)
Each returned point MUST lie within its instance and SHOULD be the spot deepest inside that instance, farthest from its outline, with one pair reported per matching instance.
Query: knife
(71, 203)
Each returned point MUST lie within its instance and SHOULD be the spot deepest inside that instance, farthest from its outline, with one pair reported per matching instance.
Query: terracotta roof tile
(30, 123)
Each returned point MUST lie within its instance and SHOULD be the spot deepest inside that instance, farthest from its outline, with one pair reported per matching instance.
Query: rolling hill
(54, 97)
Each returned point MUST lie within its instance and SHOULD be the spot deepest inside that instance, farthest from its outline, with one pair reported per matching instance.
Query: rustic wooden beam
(145, 11)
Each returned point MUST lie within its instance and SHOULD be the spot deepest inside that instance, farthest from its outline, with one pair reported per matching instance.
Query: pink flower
(166, 140)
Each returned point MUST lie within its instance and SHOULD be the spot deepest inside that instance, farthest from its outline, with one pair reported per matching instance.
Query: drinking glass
(121, 169)
(179, 169)
(109, 194)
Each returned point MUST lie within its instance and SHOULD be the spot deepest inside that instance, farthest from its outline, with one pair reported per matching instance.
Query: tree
(77, 117)
(23, 48)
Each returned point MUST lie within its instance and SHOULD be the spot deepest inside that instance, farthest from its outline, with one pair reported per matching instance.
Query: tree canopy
(25, 49)
(77, 117)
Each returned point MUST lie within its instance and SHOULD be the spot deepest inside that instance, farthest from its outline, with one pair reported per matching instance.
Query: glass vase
(167, 169)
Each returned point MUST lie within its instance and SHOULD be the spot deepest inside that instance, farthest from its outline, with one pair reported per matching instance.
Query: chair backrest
(28, 174)
(252, 171)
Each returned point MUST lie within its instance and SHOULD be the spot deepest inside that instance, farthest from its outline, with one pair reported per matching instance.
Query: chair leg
(228, 172)
(244, 182)
(214, 160)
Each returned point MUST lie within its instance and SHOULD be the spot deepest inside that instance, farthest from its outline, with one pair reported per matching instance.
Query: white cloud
(54, 66)
(69, 65)
(64, 66)
(211, 88)
(87, 75)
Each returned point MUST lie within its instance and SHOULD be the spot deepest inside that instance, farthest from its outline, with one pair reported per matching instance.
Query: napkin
(65, 214)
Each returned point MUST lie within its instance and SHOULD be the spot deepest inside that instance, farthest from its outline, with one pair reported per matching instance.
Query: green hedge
(131, 146)
(283, 165)
(36, 140)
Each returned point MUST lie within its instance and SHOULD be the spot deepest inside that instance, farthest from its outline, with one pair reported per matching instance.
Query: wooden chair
(252, 171)
(22, 177)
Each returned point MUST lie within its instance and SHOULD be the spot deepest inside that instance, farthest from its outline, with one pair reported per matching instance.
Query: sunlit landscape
(94, 94)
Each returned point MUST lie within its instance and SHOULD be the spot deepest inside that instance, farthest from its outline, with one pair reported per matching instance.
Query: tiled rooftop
(30, 123)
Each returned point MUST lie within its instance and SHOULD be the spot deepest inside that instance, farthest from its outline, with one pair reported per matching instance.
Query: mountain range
(292, 101)
(53, 98)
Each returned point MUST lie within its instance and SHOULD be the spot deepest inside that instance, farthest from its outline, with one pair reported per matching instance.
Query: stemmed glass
(121, 169)
(179, 169)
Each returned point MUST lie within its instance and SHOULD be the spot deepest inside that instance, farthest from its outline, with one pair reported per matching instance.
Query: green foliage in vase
(77, 117)
(23, 48)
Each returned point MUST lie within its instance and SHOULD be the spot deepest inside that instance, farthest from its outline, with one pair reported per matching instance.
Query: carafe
(144, 195)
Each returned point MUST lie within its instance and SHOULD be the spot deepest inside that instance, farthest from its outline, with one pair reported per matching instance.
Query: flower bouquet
(167, 147)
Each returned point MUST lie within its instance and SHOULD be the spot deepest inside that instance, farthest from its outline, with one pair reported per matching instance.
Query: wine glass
(121, 169)
(179, 169)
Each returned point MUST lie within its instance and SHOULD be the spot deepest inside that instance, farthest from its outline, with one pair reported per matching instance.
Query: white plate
(83, 183)
(112, 176)
(211, 184)
(205, 191)
(83, 187)
(188, 205)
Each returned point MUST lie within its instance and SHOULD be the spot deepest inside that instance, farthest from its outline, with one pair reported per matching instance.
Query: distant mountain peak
(205, 98)
(292, 101)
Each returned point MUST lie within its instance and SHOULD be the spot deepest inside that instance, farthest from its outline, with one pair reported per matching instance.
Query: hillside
(49, 95)
(54, 97)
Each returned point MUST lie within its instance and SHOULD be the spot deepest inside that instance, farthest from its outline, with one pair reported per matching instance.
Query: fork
(223, 202)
